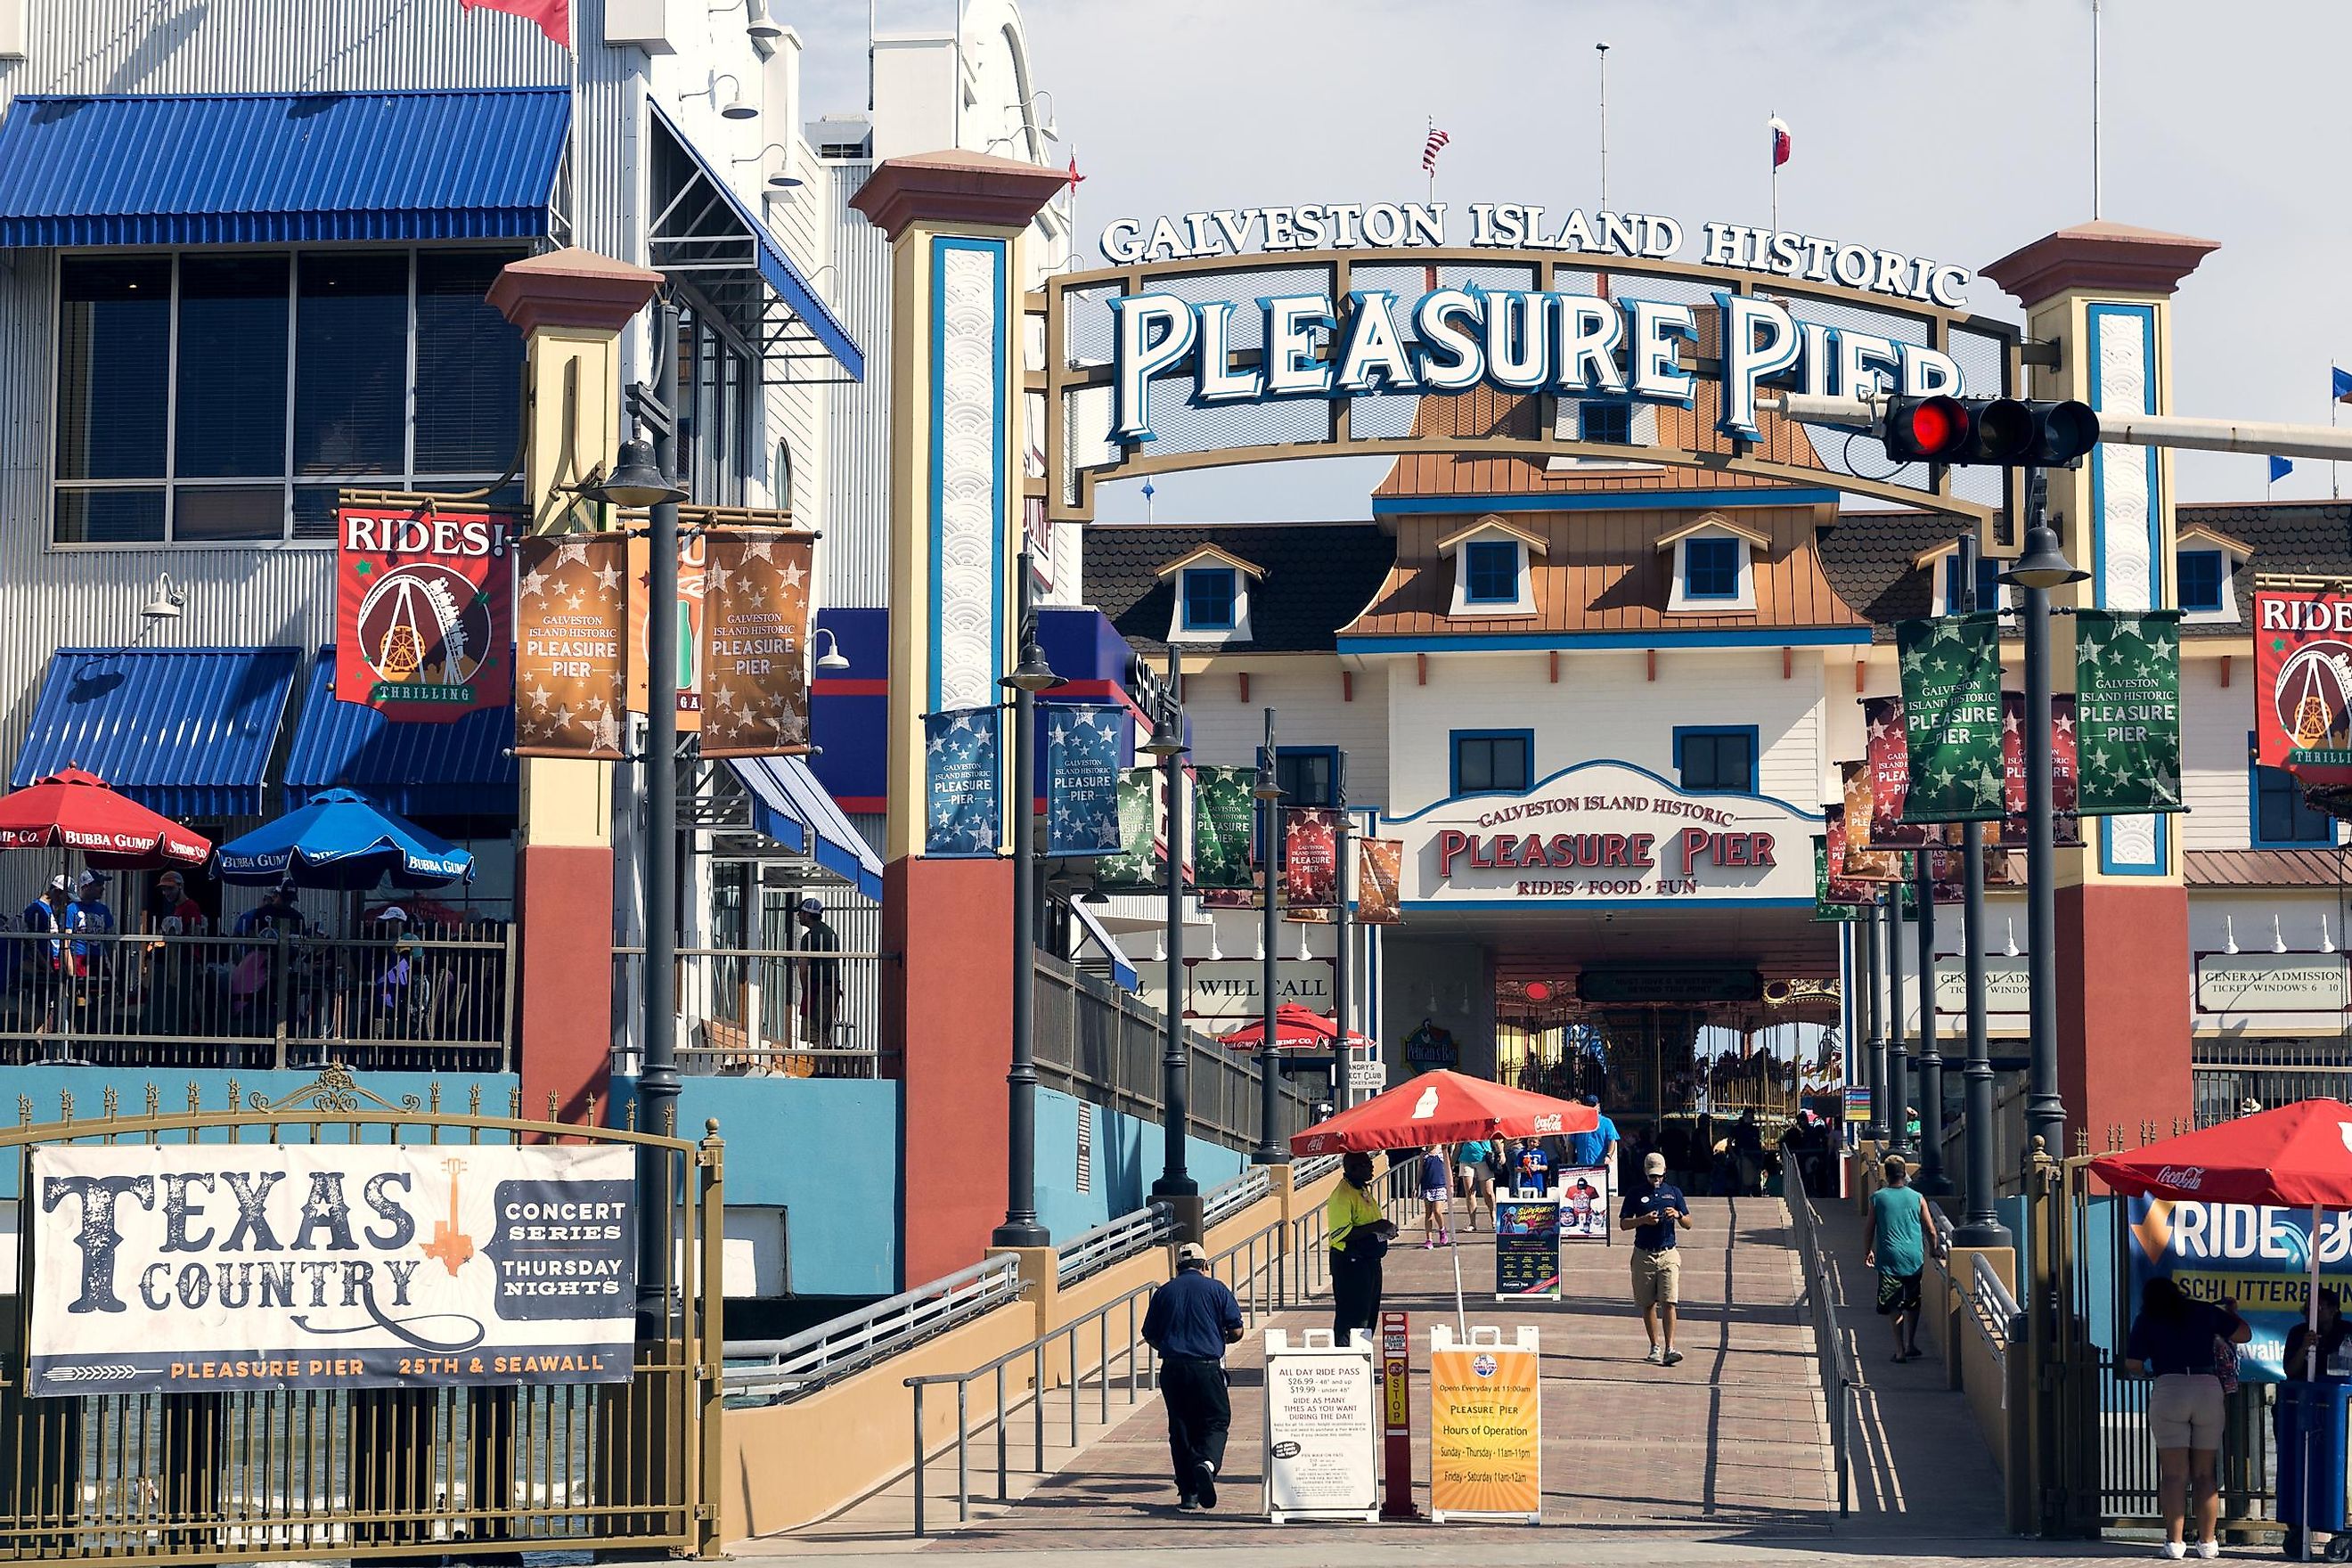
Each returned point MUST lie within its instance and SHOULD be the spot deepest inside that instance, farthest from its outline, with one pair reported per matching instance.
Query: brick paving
(1724, 1458)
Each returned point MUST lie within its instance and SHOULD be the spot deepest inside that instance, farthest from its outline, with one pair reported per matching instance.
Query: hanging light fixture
(167, 604)
(1033, 673)
(2278, 937)
(2326, 941)
(636, 480)
(1167, 733)
(2044, 564)
(830, 661)
(2228, 933)
(2009, 948)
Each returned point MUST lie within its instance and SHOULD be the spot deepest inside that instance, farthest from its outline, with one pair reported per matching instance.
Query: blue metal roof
(185, 731)
(271, 168)
(460, 769)
(790, 807)
(776, 268)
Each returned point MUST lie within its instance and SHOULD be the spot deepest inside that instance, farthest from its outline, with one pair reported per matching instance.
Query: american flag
(1430, 148)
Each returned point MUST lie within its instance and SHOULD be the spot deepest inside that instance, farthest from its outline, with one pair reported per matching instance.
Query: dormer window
(2204, 566)
(1211, 588)
(1210, 594)
(1988, 584)
(1490, 568)
(1604, 422)
(1714, 566)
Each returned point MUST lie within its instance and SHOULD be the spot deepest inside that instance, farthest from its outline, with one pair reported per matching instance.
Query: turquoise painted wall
(824, 1149)
(1126, 1162)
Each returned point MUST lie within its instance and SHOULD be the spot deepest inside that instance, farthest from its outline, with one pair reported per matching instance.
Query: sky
(1959, 131)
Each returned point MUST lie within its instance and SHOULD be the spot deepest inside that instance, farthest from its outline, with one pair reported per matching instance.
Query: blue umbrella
(342, 840)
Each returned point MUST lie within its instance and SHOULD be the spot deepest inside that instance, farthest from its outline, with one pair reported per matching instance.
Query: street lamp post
(1270, 1149)
(1343, 1088)
(1932, 1180)
(1979, 1219)
(1874, 932)
(1167, 743)
(1898, 1119)
(1031, 674)
(2042, 567)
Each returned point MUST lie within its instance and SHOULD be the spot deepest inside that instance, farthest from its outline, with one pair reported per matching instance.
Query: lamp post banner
(1310, 864)
(1849, 863)
(1834, 898)
(2128, 711)
(1889, 756)
(1224, 814)
(755, 623)
(2064, 777)
(963, 818)
(1141, 863)
(2302, 683)
(216, 1267)
(572, 619)
(424, 621)
(1951, 715)
(1380, 872)
(1082, 773)
(692, 556)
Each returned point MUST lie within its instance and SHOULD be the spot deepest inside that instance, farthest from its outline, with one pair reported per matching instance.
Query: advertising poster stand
(1587, 1205)
(1322, 1439)
(1485, 1426)
(1527, 1250)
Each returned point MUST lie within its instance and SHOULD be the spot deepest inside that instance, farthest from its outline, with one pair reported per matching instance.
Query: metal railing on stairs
(779, 1370)
(1092, 1251)
(1833, 1362)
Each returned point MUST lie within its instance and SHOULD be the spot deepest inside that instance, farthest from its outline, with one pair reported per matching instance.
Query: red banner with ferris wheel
(2302, 683)
(424, 617)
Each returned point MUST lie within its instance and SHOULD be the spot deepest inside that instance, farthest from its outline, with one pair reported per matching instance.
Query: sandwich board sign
(1485, 1426)
(1322, 1438)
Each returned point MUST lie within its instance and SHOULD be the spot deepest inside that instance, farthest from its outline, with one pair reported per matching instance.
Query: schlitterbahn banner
(2126, 712)
(1082, 778)
(218, 1266)
(1952, 712)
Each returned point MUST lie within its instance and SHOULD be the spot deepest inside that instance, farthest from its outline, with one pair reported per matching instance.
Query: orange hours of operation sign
(1485, 1426)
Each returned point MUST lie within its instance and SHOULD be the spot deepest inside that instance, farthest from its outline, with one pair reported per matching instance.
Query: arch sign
(1268, 333)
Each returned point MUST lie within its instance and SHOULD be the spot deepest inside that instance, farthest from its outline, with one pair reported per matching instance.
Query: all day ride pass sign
(209, 1268)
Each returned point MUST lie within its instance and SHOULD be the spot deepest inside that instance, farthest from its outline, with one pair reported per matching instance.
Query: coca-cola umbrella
(1296, 1028)
(2297, 1156)
(72, 809)
(1440, 1107)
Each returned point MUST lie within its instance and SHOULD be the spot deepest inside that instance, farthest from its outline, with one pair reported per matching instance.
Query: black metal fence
(441, 1002)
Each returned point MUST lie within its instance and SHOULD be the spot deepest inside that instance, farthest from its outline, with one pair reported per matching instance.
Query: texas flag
(553, 17)
(1780, 140)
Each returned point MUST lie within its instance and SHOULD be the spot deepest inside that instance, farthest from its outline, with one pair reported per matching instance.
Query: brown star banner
(1310, 864)
(571, 612)
(1379, 873)
(755, 614)
(1849, 863)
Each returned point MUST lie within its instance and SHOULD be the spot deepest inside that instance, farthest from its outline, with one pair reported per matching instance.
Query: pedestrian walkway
(1729, 1449)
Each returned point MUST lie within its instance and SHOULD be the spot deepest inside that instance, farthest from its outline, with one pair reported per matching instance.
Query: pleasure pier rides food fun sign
(1451, 338)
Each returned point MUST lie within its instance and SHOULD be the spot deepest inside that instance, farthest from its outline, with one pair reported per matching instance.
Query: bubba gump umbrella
(342, 840)
(2299, 1156)
(1296, 1028)
(71, 809)
(1445, 1107)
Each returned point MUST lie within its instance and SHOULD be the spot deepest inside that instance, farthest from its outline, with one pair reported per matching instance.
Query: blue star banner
(964, 811)
(1082, 777)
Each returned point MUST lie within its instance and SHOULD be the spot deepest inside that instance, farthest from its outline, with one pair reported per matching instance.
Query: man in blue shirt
(1655, 1213)
(1598, 1147)
(1190, 1323)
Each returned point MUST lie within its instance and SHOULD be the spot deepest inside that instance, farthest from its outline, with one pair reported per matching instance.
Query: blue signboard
(963, 816)
(1082, 771)
(2261, 1257)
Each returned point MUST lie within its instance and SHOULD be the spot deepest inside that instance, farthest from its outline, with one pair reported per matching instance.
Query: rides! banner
(425, 626)
(218, 1268)
(2303, 684)
(2261, 1257)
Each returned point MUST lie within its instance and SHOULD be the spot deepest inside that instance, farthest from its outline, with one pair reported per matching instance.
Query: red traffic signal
(2001, 432)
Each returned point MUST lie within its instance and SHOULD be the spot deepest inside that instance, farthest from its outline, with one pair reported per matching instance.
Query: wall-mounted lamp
(169, 600)
(732, 106)
(830, 661)
(782, 180)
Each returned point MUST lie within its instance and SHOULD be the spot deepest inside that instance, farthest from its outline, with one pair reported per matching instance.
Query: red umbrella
(75, 810)
(1444, 1107)
(1296, 1028)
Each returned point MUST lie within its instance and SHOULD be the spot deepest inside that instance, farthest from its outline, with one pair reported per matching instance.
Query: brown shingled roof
(2264, 868)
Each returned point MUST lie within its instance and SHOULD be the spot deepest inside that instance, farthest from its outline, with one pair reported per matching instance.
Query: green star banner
(1951, 717)
(1140, 865)
(2128, 711)
(1223, 811)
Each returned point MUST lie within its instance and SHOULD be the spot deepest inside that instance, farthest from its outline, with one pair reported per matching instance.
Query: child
(1436, 1187)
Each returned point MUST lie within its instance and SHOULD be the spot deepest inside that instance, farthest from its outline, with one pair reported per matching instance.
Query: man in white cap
(1190, 1323)
(89, 911)
(1655, 1212)
(820, 980)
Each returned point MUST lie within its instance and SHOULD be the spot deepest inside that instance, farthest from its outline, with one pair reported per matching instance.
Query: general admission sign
(1276, 333)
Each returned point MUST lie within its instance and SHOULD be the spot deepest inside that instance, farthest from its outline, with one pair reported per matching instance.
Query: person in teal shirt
(1473, 1176)
(1895, 1241)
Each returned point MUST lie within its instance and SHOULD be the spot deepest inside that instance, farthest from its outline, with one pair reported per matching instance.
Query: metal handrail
(1306, 1173)
(789, 1367)
(1091, 1251)
(1832, 1358)
(1256, 1262)
(1231, 1197)
(1995, 1308)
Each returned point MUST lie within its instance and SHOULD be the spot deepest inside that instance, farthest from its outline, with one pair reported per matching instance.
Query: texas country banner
(208, 1268)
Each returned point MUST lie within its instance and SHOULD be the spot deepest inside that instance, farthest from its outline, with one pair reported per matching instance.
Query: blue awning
(274, 168)
(1122, 973)
(460, 769)
(707, 235)
(183, 730)
(790, 807)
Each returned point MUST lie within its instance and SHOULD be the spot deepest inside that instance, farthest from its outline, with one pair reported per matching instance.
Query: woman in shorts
(1475, 1179)
(1434, 1194)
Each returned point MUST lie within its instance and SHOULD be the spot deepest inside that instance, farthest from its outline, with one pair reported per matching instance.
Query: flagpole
(1429, 160)
(2335, 475)
(1603, 50)
(1775, 140)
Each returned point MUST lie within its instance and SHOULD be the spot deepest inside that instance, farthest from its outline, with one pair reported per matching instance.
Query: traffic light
(2003, 432)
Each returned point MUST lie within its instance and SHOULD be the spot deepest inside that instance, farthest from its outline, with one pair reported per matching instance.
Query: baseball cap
(93, 879)
(811, 905)
(394, 912)
(1191, 1252)
(1654, 1164)
(171, 880)
(57, 884)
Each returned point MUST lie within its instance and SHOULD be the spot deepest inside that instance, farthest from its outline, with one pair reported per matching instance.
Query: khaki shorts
(2185, 1411)
(1657, 1277)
